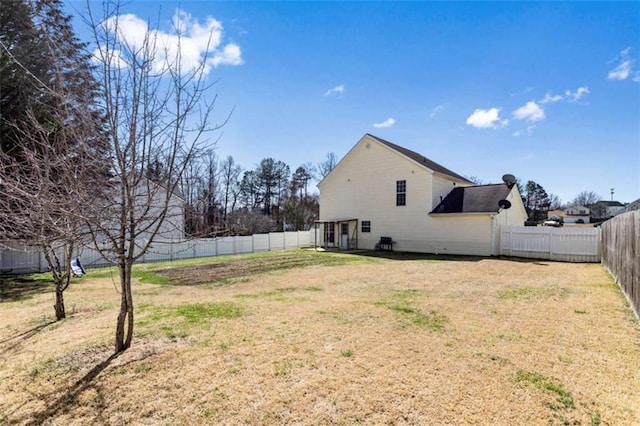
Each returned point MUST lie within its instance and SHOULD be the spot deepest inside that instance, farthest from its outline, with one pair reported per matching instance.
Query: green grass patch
(563, 397)
(197, 313)
(403, 303)
(431, 320)
(347, 353)
(303, 257)
(178, 321)
(526, 293)
(149, 277)
(285, 294)
(13, 289)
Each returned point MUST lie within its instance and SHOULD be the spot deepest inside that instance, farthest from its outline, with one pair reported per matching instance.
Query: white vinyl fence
(562, 244)
(15, 258)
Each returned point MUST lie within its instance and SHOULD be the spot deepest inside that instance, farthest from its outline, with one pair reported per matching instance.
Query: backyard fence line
(560, 244)
(20, 258)
(621, 254)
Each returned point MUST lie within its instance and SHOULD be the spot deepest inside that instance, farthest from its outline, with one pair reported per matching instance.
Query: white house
(607, 209)
(380, 189)
(576, 214)
(633, 206)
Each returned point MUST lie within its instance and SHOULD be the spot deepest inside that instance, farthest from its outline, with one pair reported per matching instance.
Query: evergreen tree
(22, 68)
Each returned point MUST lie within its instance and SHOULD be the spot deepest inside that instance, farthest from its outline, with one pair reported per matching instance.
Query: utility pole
(612, 189)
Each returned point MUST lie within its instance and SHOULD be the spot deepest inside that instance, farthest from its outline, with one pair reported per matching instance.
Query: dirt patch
(235, 268)
(414, 341)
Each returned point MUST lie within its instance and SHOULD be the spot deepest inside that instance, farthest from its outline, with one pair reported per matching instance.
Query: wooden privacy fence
(621, 254)
(15, 258)
(562, 244)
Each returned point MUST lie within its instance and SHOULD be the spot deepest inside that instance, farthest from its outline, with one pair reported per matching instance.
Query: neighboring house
(606, 209)
(382, 189)
(577, 214)
(633, 206)
(150, 202)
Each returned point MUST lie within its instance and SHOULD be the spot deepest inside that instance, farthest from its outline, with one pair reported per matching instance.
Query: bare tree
(43, 196)
(231, 186)
(156, 107)
(555, 202)
(325, 167)
(52, 150)
(474, 179)
(586, 198)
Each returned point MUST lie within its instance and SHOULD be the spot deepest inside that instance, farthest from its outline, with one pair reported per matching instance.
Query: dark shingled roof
(473, 199)
(421, 159)
(610, 203)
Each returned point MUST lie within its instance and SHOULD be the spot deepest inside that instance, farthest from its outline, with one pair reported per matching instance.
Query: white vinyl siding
(362, 185)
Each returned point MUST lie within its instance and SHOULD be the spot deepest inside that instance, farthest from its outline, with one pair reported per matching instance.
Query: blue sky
(548, 92)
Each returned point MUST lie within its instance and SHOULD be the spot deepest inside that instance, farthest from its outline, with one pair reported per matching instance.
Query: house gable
(365, 179)
(383, 156)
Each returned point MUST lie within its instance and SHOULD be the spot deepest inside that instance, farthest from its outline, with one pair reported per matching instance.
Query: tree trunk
(124, 324)
(58, 278)
(60, 313)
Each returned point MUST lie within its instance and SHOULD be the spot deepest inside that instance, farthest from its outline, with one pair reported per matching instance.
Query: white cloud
(578, 94)
(621, 72)
(435, 111)
(550, 99)
(530, 112)
(528, 131)
(386, 123)
(195, 44)
(486, 119)
(338, 90)
(625, 67)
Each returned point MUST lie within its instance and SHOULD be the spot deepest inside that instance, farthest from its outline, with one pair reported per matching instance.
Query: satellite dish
(504, 204)
(509, 180)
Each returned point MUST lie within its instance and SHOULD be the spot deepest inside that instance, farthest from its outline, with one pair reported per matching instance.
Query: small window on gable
(366, 226)
(401, 193)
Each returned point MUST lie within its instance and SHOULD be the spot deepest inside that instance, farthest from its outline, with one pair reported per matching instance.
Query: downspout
(493, 234)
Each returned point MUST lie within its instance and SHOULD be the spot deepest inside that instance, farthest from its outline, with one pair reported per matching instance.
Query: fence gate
(562, 244)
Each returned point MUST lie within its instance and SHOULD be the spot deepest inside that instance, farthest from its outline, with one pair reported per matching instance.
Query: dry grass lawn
(318, 338)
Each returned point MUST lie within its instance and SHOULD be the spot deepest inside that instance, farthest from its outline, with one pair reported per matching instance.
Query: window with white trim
(401, 193)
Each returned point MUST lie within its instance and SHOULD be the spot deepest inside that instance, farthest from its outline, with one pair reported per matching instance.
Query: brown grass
(372, 341)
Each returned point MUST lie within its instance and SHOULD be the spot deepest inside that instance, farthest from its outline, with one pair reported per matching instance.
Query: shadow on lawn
(66, 398)
(16, 288)
(69, 396)
(400, 255)
(16, 341)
